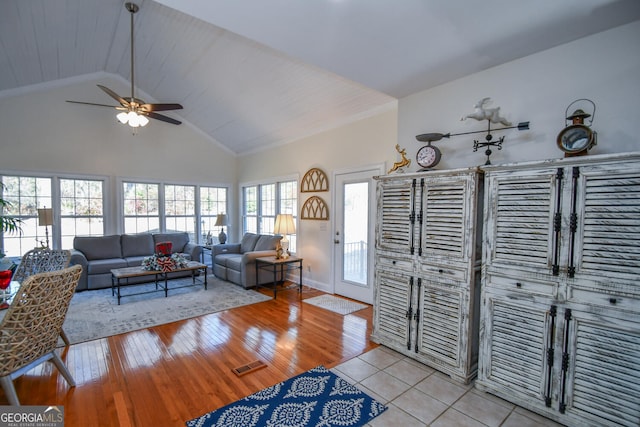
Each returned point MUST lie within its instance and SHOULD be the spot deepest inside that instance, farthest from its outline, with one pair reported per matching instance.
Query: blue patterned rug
(317, 397)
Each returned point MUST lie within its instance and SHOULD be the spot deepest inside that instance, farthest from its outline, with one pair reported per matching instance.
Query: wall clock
(428, 156)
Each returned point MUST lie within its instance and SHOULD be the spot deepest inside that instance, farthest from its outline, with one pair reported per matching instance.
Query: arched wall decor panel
(315, 208)
(314, 180)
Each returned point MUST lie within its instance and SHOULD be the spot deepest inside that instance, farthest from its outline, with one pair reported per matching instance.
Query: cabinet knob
(440, 271)
(393, 262)
(518, 285)
(613, 301)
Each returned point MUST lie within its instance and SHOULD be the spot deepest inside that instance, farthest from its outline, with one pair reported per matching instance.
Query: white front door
(353, 234)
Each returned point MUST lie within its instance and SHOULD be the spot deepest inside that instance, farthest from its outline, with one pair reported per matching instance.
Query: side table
(271, 264)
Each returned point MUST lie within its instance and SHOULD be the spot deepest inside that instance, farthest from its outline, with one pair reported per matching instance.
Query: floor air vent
(248, 368)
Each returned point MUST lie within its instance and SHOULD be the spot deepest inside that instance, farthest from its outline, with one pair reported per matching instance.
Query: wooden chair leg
(63, 369)
(9, 390)
(64, 338)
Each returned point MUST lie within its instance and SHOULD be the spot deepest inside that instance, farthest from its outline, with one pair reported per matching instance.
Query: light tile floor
(418, 395)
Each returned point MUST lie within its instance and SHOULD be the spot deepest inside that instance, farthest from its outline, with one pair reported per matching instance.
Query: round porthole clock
(577, 138)
(429, 155)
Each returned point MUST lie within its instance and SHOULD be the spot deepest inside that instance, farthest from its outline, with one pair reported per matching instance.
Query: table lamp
(284, 226)
(221, 221)
(45, 218)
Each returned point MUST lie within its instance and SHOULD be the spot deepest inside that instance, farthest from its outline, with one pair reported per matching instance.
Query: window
(141, 203)
(289, 205)
(267, 208)
(213, 201)
(261, 203)
(25, 195)
(250, 210)
(147, 206)
(180, 209)
(81, 209)
(79, 206)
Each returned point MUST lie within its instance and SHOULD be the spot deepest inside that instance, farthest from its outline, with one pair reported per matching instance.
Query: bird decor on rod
(480, 113)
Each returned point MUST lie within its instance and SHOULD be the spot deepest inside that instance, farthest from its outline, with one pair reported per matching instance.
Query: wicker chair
(30, 329)
(42, 260)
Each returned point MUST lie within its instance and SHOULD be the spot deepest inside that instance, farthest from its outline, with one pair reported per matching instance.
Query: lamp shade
(284, 224)
(221, 220)
(45, 216)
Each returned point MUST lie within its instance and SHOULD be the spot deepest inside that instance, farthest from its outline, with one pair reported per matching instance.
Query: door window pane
(356, 225)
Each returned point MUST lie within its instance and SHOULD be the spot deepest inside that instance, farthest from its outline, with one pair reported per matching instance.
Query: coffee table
(120, 277)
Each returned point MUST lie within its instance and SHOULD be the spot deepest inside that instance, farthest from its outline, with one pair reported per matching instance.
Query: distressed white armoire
(427, 268)
(560, 310)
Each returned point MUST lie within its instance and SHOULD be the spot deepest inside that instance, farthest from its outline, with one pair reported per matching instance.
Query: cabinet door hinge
(420, 216)
(410, 313)
(565, 362)
(412, 216)
(557, 222)
(573, 221)
(417, 314)
(553, 310)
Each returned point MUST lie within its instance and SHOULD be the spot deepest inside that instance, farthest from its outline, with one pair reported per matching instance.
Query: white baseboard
(324, 287)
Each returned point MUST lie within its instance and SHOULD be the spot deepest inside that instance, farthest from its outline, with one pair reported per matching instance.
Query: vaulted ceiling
(254, 73)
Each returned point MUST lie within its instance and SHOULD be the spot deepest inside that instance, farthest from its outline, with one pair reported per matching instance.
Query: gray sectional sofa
(235, 262)
(99, 254)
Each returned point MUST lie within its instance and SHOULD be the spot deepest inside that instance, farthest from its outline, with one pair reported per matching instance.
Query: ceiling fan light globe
(123, 117)
(142, 120)
(134, 120)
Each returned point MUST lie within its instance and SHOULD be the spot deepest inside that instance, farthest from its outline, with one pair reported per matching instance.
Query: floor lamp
(284, 226)
(45, 218)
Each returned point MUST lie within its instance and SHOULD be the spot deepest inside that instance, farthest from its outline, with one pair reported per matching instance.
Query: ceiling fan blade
(114, 95)
(161, 117)
(161, 107)
(91, 103)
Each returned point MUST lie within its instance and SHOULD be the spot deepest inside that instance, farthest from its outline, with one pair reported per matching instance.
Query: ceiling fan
(135, 111)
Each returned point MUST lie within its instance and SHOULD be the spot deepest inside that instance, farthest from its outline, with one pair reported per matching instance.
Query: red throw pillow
(163, 248)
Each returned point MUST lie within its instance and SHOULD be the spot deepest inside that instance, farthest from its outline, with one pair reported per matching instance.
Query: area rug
(317, 397)
(335, 304)
(96, 314)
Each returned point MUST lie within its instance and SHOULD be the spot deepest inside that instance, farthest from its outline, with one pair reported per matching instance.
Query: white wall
(604, 68)
(364, 143)
(41, 133)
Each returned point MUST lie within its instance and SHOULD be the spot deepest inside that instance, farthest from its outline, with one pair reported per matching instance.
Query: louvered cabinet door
(515, 336)
(396, 214)
(393, 309)
(449, 219)
(607, 240)
(603, 374)
(519, 228)
(441, 338)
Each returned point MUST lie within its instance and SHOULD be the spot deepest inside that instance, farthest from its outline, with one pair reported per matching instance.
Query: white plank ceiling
(255, 73)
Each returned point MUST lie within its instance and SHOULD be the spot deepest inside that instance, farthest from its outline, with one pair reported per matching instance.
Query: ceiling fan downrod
(132, 8)
(135, 112)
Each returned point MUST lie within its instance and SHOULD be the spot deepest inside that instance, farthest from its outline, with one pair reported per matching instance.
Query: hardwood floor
(167, 375)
